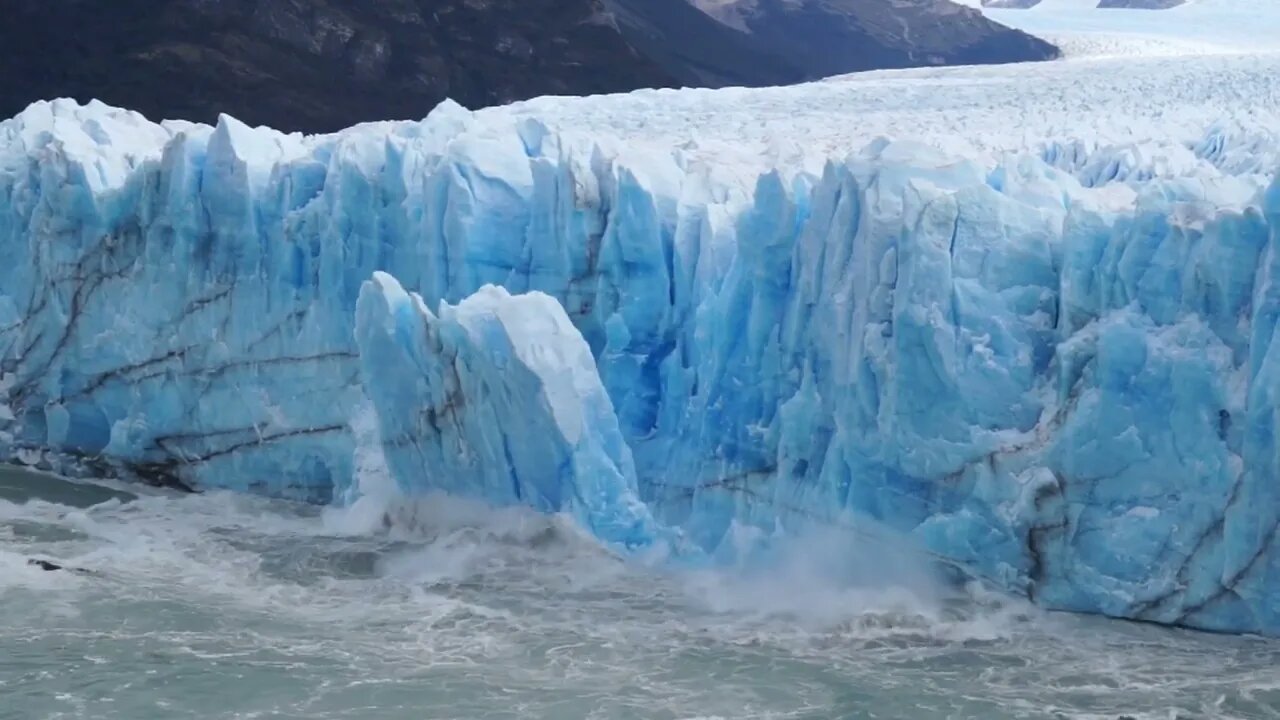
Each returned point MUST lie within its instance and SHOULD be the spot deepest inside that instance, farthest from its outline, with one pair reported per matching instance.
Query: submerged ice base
(1057, 369)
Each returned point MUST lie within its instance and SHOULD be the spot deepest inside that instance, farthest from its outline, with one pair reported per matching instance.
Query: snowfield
(1023, 315)
(1158, 109)
(1120, 92)
(1194, 28)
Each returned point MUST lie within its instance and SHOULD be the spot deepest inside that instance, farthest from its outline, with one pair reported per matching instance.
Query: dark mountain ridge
(321, 65)
(832, 37)
(312, 65)
(696, 49)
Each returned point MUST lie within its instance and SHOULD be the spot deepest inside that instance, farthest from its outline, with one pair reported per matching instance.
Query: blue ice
(1061, 377)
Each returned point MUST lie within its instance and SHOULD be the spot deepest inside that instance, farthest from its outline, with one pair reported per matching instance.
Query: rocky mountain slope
(831, 37)
(1103, 4)
(696, 49)
(320, 65)
(313, 65)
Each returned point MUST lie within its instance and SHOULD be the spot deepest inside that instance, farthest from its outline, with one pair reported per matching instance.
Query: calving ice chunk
(497, 398)
(1049, 357)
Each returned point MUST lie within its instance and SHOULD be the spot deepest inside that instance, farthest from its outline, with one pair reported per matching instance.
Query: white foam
(470, 608)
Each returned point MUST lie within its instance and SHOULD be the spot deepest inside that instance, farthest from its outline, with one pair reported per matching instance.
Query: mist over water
(224, 606)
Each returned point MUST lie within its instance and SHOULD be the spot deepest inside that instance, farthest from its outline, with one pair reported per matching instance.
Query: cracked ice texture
(1061, 378)
(497, 398)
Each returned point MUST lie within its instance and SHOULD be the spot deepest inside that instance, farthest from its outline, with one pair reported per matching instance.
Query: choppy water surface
(221, 606)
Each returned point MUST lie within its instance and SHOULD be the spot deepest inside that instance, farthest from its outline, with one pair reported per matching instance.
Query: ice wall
(497, 398)
(1059, 377)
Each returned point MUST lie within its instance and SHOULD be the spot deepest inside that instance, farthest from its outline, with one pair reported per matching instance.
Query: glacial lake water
(225, 606)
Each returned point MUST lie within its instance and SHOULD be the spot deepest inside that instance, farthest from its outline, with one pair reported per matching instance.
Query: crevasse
(1069, 390)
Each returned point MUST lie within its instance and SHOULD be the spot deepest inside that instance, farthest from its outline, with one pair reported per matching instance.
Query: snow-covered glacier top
(1119, 88)
(1080, 28)
(1024, 315)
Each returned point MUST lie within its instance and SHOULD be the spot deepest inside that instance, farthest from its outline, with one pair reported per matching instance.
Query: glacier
(1049, 360)
(498, 397)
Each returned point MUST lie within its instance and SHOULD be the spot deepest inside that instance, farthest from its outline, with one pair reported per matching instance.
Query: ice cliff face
(1058, 370)
(497, 397)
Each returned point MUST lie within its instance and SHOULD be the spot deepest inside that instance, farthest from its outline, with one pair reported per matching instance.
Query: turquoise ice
(1057, 370)
(498, 398)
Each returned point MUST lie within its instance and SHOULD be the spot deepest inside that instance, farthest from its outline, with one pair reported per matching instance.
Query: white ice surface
(1026, 313)
(1081, 29)
(1155, 80)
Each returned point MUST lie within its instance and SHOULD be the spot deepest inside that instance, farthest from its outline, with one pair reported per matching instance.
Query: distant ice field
(1198, 27)
(1156, 81)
